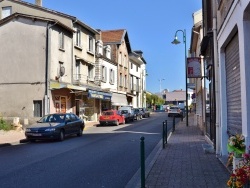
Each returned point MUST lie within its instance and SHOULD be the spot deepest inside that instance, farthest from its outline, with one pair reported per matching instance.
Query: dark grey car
(55, 127)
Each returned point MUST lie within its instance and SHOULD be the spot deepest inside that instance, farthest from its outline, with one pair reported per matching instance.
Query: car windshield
(108, 113)
(124, 112)
(53, 118)
(174, 108)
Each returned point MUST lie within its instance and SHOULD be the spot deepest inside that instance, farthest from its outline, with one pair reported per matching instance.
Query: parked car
(145, 112)
(111, 117)
(175, 111)
(55, 127)
(128, 113)
(138, 114)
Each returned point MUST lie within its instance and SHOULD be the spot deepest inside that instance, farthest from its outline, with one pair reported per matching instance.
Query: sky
(151, 27)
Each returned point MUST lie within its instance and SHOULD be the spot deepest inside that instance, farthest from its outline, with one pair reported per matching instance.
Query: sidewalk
(183, 162)
(17, 137)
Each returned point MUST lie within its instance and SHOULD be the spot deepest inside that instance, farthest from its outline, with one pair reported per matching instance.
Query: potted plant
(241, 175)
(236, 145)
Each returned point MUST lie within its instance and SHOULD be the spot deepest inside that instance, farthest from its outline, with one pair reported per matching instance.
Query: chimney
(39, 2)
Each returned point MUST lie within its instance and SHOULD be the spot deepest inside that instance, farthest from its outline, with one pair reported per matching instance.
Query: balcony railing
(135, 87)
(79, 79)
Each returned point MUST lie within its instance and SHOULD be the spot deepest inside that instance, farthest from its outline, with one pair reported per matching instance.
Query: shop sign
(99, 95)
(194, 67)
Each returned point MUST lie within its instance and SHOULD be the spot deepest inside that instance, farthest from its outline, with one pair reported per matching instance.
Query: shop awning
(58, 85)
(119, 99)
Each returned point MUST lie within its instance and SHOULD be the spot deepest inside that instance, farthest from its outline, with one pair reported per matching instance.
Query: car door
(68, 124)
(75, 123)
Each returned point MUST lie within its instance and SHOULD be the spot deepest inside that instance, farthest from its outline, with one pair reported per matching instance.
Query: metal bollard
(173, 123)
(142, 163)
(166, 132)
(163, 134)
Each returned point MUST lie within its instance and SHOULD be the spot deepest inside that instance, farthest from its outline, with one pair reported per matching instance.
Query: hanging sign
(194, 67)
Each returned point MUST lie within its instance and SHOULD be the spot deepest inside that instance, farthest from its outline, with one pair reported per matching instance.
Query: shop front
(118, 99)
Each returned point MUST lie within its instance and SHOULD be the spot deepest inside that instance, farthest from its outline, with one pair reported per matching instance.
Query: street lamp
(160, 80)
(176, 41)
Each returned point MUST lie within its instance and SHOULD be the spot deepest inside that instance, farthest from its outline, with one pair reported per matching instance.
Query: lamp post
(176, 41)
(160, 80)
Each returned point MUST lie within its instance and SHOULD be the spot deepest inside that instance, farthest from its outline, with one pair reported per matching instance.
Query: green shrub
(4, 125)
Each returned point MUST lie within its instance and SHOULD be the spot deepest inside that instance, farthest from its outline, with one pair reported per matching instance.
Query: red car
(111, 117)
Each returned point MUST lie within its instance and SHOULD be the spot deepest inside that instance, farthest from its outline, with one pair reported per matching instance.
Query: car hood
(37, 125)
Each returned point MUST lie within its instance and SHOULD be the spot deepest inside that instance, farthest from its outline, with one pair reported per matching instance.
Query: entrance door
(77, 107)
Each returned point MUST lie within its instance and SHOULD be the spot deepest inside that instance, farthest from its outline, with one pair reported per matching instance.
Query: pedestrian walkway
(184, 164)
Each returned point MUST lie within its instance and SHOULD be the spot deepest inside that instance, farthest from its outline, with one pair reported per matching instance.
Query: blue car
(55, 127)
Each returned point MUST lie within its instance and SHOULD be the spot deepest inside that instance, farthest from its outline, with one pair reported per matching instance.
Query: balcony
(135, 87)
(79, 79)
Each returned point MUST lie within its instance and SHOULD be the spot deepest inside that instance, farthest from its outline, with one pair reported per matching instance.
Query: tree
(153, 99)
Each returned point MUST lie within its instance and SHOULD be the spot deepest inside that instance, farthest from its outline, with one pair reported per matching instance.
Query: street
(103, 157)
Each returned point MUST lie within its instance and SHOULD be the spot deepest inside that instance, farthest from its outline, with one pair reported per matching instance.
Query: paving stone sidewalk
(184, 164)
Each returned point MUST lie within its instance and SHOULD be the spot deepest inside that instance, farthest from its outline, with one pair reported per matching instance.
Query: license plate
(36, 134)
(105, 117)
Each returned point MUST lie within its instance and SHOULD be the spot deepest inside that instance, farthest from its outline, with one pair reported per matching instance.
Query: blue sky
(151, 26)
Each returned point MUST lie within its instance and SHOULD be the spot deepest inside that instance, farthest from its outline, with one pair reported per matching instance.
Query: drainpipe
(217, 91)
(47, 69)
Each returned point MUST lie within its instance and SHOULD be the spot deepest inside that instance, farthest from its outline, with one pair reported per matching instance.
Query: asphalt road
(105, 157)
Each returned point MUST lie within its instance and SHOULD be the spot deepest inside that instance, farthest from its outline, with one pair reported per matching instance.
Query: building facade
(66, 66)
(225, 46)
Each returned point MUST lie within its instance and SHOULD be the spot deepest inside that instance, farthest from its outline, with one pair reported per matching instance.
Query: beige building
(120, 49)
(64, 50)
(55, 64)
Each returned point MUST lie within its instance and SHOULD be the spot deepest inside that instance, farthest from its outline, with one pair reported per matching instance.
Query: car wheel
(116, 123)
(62, 135)
(79, 132)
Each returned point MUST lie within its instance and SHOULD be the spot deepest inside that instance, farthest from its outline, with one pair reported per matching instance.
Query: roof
(41, 8)
(12, 16)
(73, 18)
(115, 37)
(176, 95)
(15, 15)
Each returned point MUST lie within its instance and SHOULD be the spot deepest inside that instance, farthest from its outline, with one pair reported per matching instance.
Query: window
(131, 65)
(125, 81)
(78, 38)
(124, 61)
(6, 11)
(91, 44)
(108, 51)
(131, 82)
(61, 40)
(77, 70)
(137, 68)
(111, 76)
(91, 72)
(120, 58)
(104, 74)
(120, 80)
(61, 71)
(37, 108)
(73, 117)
